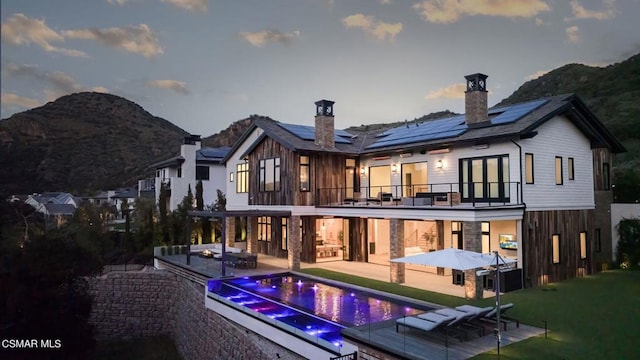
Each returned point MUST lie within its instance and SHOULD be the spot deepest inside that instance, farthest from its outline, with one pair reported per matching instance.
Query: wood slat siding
(327, 171)
(539, 226)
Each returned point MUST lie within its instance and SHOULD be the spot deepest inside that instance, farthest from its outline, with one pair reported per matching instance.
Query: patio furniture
(431, 322)
(242, 260)
(491, 316)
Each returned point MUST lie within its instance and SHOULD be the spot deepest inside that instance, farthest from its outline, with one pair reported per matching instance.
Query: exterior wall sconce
(439, 165)
(394, 168)
(363, 171)
(231, 175)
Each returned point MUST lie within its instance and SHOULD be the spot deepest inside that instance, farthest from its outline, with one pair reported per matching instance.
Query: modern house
(531, 181)
(58, 206)
(193, 164)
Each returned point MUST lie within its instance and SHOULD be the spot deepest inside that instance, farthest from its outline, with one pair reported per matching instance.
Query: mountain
(612, 93)
(91, 141)
(81, 143)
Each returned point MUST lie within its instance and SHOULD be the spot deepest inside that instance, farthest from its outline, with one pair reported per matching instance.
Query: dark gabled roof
(505, 122)
(171, 162)
(212, 155)
(125, 193)
(60, 209)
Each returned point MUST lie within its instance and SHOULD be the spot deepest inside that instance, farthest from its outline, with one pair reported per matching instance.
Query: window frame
(529, 173)
(285, 234)
(582, 238)
(555, 249)
(571, 168)
(305, 168)
(242, 177)
(265, 174)
(456, 231)
(598, 240)
(606, 176)
(559, 171)
(264, 228)
(469, 187)
(485, 236)
(199, 172)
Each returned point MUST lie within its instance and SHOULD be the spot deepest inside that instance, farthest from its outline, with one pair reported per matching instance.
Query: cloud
(375, 28)
(22, 30)
(191, 5)
(56, 84)
(100, 89)
(580, 12)
(536, 75)
(385, 2)
(455, 91)
(9, 99)
(261, 38)
(177, 86)
(449, 11)
(117, 2)
(139, 40)
(573, 34)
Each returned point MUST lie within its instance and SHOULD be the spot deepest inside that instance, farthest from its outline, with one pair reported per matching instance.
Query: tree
(179, 218)
(163, 214)
(41, 295)
(628, 251)
(219, 205)
(204, 224)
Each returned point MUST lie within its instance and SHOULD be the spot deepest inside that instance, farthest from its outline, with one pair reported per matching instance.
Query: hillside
(82, 142)
(612, 93)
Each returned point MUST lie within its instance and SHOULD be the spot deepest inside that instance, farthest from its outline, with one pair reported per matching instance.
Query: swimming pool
(310, 306)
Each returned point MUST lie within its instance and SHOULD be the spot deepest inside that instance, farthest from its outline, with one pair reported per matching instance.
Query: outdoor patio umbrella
(456, 259)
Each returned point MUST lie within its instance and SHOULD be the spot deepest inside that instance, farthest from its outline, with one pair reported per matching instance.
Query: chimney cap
(191, 139)
(324, 107)
(476, 82)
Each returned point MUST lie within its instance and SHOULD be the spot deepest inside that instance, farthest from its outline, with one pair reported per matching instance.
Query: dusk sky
(203, 64)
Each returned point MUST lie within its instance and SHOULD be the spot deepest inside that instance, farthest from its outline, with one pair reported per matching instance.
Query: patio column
(294, 242)
(230, 231)
(472, 237)
(396, 250)
(252, 234)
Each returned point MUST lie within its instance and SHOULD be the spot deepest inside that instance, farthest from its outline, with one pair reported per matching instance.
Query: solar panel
(509, 114)
(212, 153)
(308, 133)
(429, 130)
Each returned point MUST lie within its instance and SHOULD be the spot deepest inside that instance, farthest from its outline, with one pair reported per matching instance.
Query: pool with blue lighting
(317, 308)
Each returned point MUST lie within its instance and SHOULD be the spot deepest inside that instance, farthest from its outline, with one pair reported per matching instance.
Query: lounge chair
(430, 322)
(462, 321)
(491, 316)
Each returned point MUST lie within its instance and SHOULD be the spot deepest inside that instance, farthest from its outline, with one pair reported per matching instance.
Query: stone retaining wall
(155, 302)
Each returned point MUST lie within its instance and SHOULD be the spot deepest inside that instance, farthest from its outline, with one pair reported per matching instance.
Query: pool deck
(406, 343)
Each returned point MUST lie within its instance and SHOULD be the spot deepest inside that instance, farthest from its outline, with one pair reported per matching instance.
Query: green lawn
(595, 317)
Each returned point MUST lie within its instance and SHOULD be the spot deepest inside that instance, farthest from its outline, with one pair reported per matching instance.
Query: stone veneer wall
(156, 302)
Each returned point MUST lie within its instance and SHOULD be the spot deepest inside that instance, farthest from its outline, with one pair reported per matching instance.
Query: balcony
(424, 195)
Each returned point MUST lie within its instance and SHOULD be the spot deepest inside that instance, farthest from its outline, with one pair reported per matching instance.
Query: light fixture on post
(439, 165)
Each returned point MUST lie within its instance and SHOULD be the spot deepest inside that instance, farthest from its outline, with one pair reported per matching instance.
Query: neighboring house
(57, 206)
(619, 212)
(193, 164)
(101, 198)
(128, 195)
(531, 181)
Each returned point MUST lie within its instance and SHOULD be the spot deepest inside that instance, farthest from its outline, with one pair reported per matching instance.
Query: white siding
(559, 137)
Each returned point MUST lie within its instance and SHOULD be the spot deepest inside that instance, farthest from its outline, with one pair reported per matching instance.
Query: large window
(485, 179)
(528, 168)
(555, 247)
(202, 172)
(304, 174)
(242, 178)
(559, 170)
(414, 178)
(270, 174)
(379, 180)
(583, 245)
(264, 228)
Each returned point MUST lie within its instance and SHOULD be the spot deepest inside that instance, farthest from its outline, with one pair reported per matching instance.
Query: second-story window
(606, 179)
(570, 169)
(304, 174)
(559, 177)
(528, 168)
(202, 172)
(242, 178)
(179, 171)
(270, 174)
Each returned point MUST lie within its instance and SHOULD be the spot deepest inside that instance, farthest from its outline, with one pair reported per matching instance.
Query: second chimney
(325, 126)
(475, 99)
